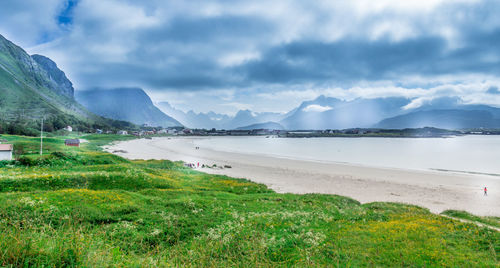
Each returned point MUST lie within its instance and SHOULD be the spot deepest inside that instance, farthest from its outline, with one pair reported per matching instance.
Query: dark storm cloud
(381, 59)
(351, 59)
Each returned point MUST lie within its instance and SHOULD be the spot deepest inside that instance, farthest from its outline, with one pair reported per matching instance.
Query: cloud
(316, 108)
(30, 22)
(270, 54)
(348, 60)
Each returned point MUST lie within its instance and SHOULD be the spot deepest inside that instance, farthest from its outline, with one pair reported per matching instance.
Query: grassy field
(84, 207)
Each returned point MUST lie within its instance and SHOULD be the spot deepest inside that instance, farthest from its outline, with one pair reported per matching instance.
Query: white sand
(434, 190)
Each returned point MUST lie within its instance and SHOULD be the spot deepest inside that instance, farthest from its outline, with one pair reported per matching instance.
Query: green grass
(85, 207)
(491, 221)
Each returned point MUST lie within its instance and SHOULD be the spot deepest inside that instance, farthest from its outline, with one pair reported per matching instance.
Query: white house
(122, 132)
(6, 151)
(69, 128)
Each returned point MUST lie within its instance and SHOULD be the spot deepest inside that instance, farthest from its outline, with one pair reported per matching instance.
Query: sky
(228, 55)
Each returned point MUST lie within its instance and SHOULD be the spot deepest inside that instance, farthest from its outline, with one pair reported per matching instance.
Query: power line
(41, 137)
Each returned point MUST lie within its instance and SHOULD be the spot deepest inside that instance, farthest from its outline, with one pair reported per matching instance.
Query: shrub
(26, 161)
(5, 163)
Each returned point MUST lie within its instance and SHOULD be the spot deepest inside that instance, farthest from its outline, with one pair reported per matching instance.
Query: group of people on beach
(191, 165)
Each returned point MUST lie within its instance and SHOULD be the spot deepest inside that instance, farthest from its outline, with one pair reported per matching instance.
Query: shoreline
(435, 190)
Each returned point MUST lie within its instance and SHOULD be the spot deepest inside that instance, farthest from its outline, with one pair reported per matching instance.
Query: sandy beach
(435, 190)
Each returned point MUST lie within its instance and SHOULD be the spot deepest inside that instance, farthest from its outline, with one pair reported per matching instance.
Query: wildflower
(155, 232)
(27, 201)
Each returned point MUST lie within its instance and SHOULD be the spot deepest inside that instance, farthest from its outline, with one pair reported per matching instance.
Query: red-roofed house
(72, 142)
(6, 151)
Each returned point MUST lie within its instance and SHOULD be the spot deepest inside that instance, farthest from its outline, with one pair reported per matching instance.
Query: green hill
(80, 207)
(32, 87)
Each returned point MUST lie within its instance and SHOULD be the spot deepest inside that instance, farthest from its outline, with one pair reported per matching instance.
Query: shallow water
(466, 154)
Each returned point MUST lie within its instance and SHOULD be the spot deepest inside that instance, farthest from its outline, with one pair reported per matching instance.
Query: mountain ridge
(128, 104)
(445, 118)
(30, 90)
(219, 121)
(332, 113)
(265, 125)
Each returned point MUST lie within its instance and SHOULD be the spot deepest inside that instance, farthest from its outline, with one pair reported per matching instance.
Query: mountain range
(266, 125)
(393, 112)
(32, 87)
(449, 113)
(219, 121)
(332, 113)
(127, 104)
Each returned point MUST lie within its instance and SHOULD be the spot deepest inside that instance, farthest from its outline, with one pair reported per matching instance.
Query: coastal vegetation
(489, 221)
(80, 206)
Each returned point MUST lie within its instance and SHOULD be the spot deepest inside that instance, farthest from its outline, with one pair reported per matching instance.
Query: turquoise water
(467, 153)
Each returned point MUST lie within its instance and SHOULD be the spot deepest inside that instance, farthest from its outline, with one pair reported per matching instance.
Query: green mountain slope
(32, 88)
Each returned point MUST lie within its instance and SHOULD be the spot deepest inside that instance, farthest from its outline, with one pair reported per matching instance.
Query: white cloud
(237, 58)
(316, 108)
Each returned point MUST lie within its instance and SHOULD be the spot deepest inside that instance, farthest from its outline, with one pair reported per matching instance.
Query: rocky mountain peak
(58, 78)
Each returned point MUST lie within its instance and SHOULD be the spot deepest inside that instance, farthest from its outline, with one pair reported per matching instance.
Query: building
(6, 152)
(72, 142)
(122, 132)
(172, 131)
(68, 128)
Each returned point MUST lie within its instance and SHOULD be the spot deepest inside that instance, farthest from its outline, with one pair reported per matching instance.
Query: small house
(68, 128)
(122, 132)
(6, 151)
(72, 142)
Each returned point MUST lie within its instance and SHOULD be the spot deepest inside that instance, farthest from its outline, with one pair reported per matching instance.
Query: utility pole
(41, 137)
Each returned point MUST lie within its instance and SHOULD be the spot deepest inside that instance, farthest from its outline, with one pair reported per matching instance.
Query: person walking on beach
(485, 191)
